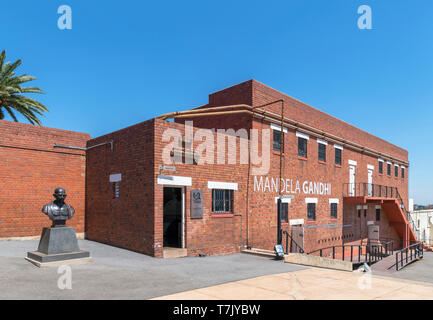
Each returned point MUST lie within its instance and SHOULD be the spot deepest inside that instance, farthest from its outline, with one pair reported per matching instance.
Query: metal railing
(294, 247)
(409, 254)
(365, 253)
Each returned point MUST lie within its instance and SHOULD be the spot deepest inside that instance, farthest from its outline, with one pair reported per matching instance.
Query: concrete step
(259, 252)
(168, 252)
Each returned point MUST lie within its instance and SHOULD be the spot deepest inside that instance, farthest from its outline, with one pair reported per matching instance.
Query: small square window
(222, 201)
(311, 211)
(302, 147)
(338, 156)
(322, 152)
(333, 210)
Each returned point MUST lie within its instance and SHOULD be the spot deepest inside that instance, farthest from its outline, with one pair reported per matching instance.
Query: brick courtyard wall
(31, 168)
(126, 221)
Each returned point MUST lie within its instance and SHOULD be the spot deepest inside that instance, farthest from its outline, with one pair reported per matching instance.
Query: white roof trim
(337, 146)
(334, 200)
(310, 200)
(116, 177)
(174, 180)
(277, 128)
(322, 141)
(302, 135)
(353, 163)
(222, 185)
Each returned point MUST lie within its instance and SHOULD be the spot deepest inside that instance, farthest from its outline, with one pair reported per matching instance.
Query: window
(365, 212)
(338, 156)
(402, 172)
(334, 210)
(311, 211)
(388, 169)
(222, 201)
(278, 141)
(285, 212)
(396, 171)
(302, 147)
(322, 152)
(380, 167)
(116, 189)
(377, 214)
(359, 213)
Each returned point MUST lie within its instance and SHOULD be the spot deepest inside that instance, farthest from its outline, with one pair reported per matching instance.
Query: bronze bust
(58, 210)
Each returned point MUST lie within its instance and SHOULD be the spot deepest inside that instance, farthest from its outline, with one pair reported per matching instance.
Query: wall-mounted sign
(167, 168)
(196, 204)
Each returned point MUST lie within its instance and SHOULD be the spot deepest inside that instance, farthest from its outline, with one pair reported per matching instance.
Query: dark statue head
(60, 194)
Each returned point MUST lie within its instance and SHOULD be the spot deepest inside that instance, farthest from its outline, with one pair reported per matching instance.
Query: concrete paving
(116, 273)
(313, 284)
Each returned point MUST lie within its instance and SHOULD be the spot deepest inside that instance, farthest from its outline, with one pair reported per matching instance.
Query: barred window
(302, 147)
(334, 210)
(322, 152)
(284, 212)
(278, 141)
(311, 211)
(222, 201)
(338, 156)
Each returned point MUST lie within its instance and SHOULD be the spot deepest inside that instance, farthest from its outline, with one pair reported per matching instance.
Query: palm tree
(11, 98)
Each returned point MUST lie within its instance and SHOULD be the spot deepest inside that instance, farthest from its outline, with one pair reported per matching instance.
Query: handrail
(300, 249)
(414, 249)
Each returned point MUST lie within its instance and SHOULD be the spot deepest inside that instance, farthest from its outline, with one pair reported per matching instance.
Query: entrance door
(298, 237)
(172, 216)
(352, 181)
(370, 182)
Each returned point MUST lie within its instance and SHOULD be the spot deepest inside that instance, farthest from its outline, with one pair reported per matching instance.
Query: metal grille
(222, 200)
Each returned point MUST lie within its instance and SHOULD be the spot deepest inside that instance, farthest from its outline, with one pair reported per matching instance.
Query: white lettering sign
(271, 184)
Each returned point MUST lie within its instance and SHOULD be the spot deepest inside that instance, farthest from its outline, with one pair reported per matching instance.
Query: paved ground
(421, 270)
(121, 274)
(313, 283)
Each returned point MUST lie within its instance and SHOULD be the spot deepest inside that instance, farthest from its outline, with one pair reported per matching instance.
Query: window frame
(313, 206)
(225, 201)
(388, 169)
(337, 150)
(304, 155)
(378, 214)
(334, 205)
(321, 145)
(285, 212)
(380, 167)
(281, 150)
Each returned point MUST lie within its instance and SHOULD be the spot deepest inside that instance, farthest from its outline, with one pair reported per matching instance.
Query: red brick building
(33, 164)
(341, 180)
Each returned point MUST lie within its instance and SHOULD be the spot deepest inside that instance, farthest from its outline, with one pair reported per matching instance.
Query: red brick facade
(31, 168)
(135, 219)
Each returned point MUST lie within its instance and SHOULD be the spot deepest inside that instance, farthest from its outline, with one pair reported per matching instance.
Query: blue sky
(127, 61)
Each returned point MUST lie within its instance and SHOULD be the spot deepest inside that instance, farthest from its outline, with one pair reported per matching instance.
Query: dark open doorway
(172, 217)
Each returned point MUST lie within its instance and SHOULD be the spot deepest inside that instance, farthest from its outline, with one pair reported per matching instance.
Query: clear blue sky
(127, 61)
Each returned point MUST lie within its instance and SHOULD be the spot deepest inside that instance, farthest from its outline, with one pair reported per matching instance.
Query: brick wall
(31, 168)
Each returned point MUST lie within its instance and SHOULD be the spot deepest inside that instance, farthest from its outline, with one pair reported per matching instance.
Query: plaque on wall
(196, 204)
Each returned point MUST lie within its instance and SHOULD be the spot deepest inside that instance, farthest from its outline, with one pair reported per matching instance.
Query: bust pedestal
(58, 245)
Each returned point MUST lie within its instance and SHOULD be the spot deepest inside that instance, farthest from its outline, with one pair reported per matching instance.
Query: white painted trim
(353, 163)
(296, 221)
(322, 141)
(403, 167)
(337, 146)
(370, 223)
(283, 200)
(381, 160)
(277, 128)
(378, 207)
(334, 200)
(365, 206)
(358, 207)
(116, 177)
(396, 165)
(389, 162)
(302, 135)
(369, 166)
(310, 200)
(222, 185)
(183, 217)
(174, 180)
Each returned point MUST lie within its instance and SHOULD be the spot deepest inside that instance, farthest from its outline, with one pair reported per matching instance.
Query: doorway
(297, 234)
(173, 217)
